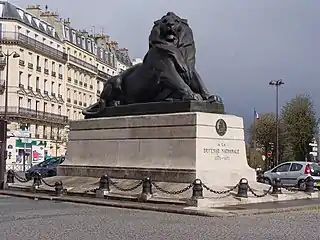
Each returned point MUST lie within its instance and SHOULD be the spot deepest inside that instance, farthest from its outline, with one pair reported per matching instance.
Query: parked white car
(294, 173)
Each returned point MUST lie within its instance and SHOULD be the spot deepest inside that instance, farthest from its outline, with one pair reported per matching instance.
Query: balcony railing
(46, 71)
(69, 79)
(53, 74)
(83, 63)
(38, 69)
(91, 87)
(85, 85)
(19, 112)
(30, 88)
(69, 100)
(38, 90)
(30, 65)
(60, 76)
(103, 75)
(21, 85)
(37, 135)
(33, 44)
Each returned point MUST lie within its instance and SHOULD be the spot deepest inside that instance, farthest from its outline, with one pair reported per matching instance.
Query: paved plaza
(29, 219)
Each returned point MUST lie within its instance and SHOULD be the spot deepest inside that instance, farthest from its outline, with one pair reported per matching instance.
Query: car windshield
(315, 167)
(50, 161)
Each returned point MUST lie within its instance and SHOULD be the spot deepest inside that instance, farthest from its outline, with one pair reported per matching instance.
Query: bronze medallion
(221, 127)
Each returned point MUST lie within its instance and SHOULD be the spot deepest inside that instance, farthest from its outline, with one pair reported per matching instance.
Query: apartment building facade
(59, 71)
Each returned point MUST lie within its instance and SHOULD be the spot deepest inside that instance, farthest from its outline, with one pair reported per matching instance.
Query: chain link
(219, 192)
(172, 192)
(49, 185)
(20, 179)
(260, 195)
(114, 184)
(290, 188)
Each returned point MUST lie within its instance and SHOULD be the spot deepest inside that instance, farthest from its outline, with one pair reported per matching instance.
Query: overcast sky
(241, 44)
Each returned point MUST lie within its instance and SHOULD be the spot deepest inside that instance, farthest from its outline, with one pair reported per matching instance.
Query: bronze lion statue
(167, 73)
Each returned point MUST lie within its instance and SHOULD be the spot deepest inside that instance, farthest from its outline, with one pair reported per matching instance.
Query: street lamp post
(4, 118)
(277, 84)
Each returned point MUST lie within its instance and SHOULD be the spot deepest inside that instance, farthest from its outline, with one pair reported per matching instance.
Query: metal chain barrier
(260, 195)
(290, 188)
(219, 192)
(114, 184)
(46, 183)
(19, 178)
(172, 192)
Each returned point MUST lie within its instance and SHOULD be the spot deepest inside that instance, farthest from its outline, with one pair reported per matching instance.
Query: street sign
(269, 154)
(26, 140)
(19, 133)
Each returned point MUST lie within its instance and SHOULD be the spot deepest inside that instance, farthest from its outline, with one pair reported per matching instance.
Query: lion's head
(171, 30)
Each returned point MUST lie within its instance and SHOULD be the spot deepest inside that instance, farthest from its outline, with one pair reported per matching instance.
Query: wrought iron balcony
(46, 71)
(38, 90)
(104, 76)
(75, 81)
(80, 83)
(60, 76)
(30, 65)
(30, 114)
(91, 87)
(69, 100)
(32, 44)
(69, 79)
(38, 69)
(53, 74)
(21, 63)
(21, 85)
(85, 85)
(83, 63)
(30, 88)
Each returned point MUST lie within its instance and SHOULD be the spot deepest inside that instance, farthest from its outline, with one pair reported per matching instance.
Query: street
(29, 219)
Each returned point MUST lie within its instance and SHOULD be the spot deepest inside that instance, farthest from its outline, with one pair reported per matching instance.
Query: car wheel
(267, 181)
(301, 185)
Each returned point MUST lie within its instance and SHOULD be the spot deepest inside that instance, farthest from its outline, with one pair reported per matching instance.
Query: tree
(264, 132)
(299, 119)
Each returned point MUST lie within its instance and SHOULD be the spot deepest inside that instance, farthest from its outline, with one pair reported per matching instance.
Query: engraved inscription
(221, 152)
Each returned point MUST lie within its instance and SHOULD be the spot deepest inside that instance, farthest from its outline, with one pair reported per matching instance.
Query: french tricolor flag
(256, 114)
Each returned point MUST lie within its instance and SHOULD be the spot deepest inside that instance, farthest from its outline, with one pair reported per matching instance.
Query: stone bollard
(197, 189)
(58, 187)
(104, 186)
(104, 183)
(10, 176)
(309, 184)
(147, 186)
(276, 187)
(37, 180)
(243, 188)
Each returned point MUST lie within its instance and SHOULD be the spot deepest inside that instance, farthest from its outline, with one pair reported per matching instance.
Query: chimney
(67, 22)
(34, 10)
(101, 40)
(50, 17)
(114, 44)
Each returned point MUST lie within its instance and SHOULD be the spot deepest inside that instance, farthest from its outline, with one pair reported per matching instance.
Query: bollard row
(37, 182)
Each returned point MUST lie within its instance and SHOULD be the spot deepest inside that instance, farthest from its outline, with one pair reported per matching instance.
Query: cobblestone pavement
(28, 219)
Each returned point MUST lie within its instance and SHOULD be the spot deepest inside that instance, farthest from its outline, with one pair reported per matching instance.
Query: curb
(126, 205)
(170, 208)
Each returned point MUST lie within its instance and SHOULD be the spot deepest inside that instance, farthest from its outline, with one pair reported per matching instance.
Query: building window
(45, 107)
(38, 61)
(44, 131)
(20, 102)
(46, 63)
(30, 57)
(68, 92)
(29, 103)
(59, 110)
(20, 77)
(45, 85)
(75, 115)
(37, 83)
(53, 66)
(52, 87)
(60, 69)
(53, 108)
(37, 105)
(59, 88)
(36, 129)
(29, 80)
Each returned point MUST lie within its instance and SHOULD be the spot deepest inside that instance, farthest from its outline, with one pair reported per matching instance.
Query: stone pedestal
(176, 147)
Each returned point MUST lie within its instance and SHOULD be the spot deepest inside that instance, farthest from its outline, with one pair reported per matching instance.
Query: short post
(309, 184)
(147, 186)
(146, 189)
(10, 176)
(243, 188)
(104, 186)
(37, 180)
(276, 187)
(104, 183)
(197, 189)
(58, 186)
